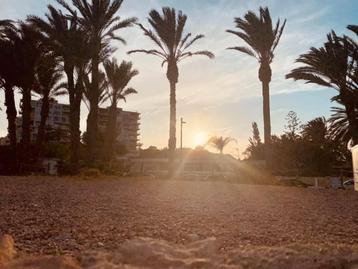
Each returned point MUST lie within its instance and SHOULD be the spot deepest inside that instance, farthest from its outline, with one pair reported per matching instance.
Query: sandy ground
(244, 226)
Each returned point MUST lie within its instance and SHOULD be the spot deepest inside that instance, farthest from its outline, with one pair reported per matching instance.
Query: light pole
(182, 122)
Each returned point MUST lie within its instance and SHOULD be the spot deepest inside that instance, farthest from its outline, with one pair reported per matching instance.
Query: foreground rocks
(150, 253)
(85, 224)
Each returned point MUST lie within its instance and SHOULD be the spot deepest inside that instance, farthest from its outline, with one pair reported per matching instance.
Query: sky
(221, 96)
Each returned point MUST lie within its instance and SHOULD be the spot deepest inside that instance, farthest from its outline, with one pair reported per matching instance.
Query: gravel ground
(68, 216)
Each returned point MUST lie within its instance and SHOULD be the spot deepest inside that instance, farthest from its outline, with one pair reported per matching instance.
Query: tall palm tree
(28, 46)
(69, 42)
(101, 23)
(48, 77)
(118, 77)
(219, 142)
(8, 77)
(103, 93)
(262, 39)
(333, 66)
(173, 44)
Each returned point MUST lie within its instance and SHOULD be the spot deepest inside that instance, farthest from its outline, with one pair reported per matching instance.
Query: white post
(355, 166)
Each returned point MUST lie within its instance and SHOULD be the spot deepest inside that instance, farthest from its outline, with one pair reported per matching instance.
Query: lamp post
(182, 122)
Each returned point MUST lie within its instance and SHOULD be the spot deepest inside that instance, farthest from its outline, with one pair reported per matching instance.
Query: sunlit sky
(221, 96)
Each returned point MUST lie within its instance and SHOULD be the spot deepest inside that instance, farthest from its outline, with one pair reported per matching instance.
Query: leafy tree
(255, 150)
(262, 38)
(293, 124)
(173, 44)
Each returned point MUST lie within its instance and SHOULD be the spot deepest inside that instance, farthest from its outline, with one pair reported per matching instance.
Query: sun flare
(200, 139)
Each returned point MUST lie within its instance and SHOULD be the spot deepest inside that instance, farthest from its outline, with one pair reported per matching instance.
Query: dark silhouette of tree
(339, 124)
(100, 22)
(353, 28)
(333, 66)
(255, 150)
(70, 43)
(173, 44)
(48, 76)
(8, 77)
(219, 142)
(293, 125)
(118, 77)
(102, 90)
(28, 47)
(262, 38)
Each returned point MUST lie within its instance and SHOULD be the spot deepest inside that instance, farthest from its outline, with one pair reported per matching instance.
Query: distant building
(58, 121)
(128, 124)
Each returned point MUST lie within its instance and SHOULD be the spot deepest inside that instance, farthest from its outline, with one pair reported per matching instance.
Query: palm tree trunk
(265, 74)
(352, 117)
(45, 108)
(92, 120)
(266, 112)
(172, 129)
(11, 117)
(26, 124)
(74, 117)
(75, 131)
(111, 132)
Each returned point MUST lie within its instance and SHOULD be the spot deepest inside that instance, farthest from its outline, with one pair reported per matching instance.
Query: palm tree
(173, 44)
(258, 32)
(103, 93)
(8, 77)
(219, 142)
(101, 23)
(339, 125)
(28, 48)
(48, 77)
(68, 42)
(118, 77)
(333, 66)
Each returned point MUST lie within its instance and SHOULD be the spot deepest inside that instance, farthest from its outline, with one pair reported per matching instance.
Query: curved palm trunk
(45, 108)
(26, 124)
(172, 129)
(74, 118)
(352, 116)
(111, 133)
(92, 120)
(11, 117)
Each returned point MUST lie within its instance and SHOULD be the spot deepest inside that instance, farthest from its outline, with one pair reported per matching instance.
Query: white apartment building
(58, 120)
(128, 124)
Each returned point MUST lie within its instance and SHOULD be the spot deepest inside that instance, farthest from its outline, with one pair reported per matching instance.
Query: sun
(200, 139)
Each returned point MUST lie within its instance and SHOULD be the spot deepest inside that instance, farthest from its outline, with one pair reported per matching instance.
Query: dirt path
(59, 216)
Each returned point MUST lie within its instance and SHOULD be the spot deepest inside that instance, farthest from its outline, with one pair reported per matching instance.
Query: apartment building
(58, 121)
(128, 124)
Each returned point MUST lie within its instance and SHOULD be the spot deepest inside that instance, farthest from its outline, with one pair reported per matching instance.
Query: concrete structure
(58, 120)
(127, 128)
(355, 166)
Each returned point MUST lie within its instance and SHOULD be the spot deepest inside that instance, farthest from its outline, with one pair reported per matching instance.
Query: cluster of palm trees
(62, 54)
(70, 52)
